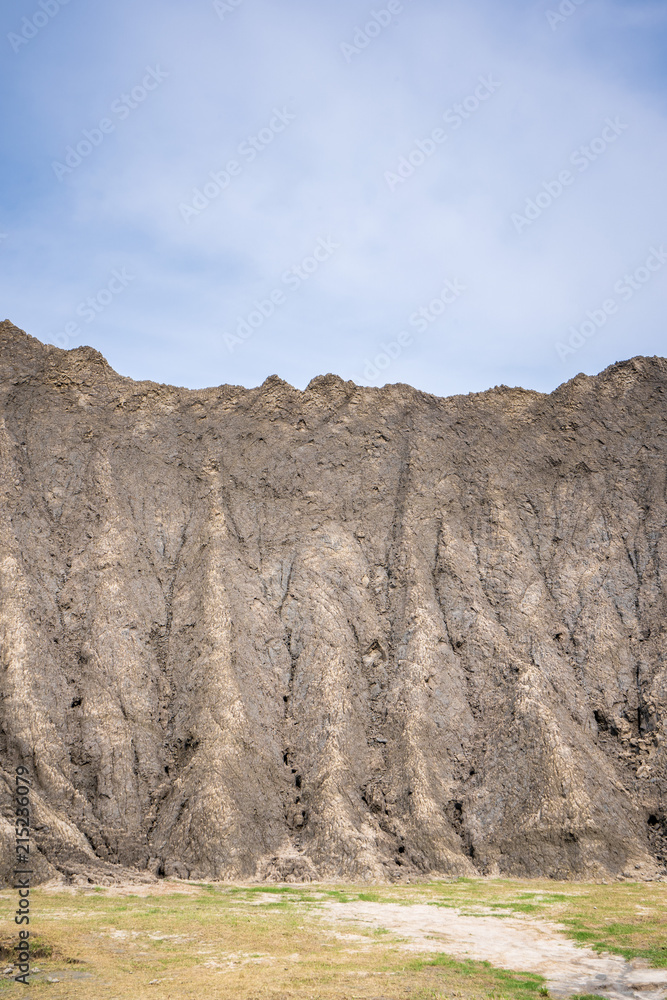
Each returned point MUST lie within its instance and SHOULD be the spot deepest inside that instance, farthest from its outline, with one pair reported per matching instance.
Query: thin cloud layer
(208, 153)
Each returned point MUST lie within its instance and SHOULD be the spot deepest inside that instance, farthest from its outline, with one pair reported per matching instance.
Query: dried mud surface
(345, 632)
(510, 942)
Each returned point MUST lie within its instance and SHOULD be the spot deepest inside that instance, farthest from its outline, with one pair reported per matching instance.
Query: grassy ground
(628, 919)
(211, 942)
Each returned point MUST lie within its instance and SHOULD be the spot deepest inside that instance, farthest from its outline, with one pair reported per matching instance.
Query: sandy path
(513, 942)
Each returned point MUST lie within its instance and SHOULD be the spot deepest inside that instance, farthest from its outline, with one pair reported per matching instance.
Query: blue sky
(453, 195)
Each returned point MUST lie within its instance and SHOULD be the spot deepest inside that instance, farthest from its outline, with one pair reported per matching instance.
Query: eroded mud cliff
(341, 632)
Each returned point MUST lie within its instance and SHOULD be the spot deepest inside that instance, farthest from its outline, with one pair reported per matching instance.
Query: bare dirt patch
(510, 942)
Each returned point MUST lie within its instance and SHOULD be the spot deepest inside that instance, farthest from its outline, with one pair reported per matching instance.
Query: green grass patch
(519, 907)
(520, 985)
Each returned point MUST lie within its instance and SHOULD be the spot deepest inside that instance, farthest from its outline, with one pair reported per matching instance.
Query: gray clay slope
(348, 631)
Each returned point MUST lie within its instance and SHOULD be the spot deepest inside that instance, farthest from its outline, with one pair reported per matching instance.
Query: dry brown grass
(181, 941)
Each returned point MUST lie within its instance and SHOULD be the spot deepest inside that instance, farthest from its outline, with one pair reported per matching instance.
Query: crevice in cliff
(294, 661)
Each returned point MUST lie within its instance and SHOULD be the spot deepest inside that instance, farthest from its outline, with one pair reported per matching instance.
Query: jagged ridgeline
(347, 632)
